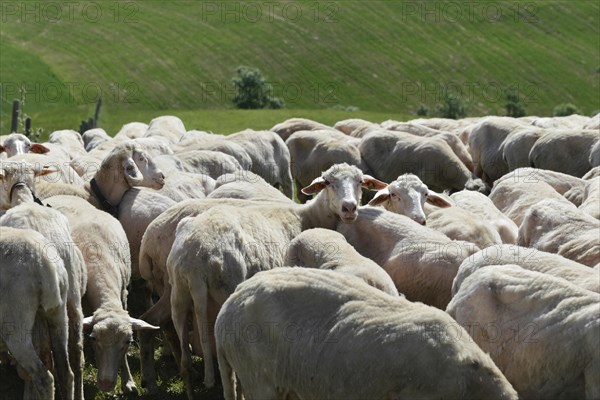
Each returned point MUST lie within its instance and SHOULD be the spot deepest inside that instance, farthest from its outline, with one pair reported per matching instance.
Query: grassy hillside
(381, 56)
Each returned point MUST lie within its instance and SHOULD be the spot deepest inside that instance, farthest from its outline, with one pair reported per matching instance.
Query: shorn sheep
(215, 251)
(313, 334)
(34, 289)
(541, 331)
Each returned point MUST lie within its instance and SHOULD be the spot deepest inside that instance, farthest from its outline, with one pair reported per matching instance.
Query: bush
(562, 110)
(253, 91)
(423, 111)
(452, 107)
(514, 106)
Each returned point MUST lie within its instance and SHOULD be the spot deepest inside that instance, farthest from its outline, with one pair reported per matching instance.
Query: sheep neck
(111, 188)
(316, 213)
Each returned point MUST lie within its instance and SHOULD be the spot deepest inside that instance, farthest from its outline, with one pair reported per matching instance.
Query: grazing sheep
(104, 246)
(315, 151)
(168, 127)
(486, 141)
(270, 157)
(286, 128)
(541, 331)
(407, 196)
(16, 143)
(515, 197)
(233, 244)
(389, 154)
(355, 127)
(421, 261)
(55, 227)
(311, 334)
(328, 250)
(415, 129)
(564, 151)
(480, 205)
(532, 260)
(34, 289)
(561, 228)
(517, 145)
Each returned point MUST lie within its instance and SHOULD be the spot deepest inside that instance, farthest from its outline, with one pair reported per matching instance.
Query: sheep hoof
(129, 388)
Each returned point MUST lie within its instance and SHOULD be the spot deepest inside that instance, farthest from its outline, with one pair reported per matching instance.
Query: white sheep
(517, 145)
(193, 141)
(541, 331)
(245, 185)
(34, 289)
(17, 143)
(355, 127)
(594, 158)
(328, 250)
(104, 246)
(421, 261)
(286, 128)
(572, 121)
(591, 198)
(311, 334)
(235, 243)
(480, 205)
(315, 151)
(530, 259)
(70, 140)
(567, 151)
(559, 227)
(389, 154)
(92, 138)
(132, 130)
(166, 126)
(55, 227)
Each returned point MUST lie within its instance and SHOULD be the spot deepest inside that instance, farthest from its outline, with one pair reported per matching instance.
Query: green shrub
(564, 109)
(514, 106)
(423, 110)
(253, 91)
(452, 107)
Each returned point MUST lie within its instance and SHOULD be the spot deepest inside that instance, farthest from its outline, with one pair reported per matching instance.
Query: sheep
(132, 130)
(453, 140)
(559, 227)
(104, 246)
(517, 145)
(203, 162)
(332, 336)
(92, 138)
(421, 261)
(312, 152)
(207, 141)
(591, 198)
(573, 121)
(355, 127)
(55, 227)
(247, 242)
(514, 197)
(34, 289)
(65, 174)
(155, 247)
(255, 187)
(594, 158)
(592, 173)
(166, 126)
(127, 165)
(328, 250)
(185, 185)
(530, 259)
(389, 154)
(566, 151)
(593, 123)
(17, 143)
(17, 180)
(480, 205)
(270, 157)
(286, 128)
(407, 196)
(541, 331)
(70, 140)
(485, 144)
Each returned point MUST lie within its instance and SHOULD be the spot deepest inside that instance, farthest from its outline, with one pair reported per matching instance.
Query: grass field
(159, 57)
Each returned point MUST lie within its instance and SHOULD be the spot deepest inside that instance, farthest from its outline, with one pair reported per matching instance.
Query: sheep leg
(39, 383)
(200, 296)
(59, 334)
(228, 378)
(127, 383)
(76, 358)
(592, 380)
(180, 305)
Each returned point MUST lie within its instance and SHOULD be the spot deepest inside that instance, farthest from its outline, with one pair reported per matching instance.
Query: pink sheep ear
(381, 197)
(370, 183)
(42, 172)
(434, 199)
(316, 186)
(139, 324)
(38, 148)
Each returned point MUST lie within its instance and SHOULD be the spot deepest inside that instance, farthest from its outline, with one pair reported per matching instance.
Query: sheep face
(111, 336)
(131, 163)
(407, 196)
(17, 182)
(16, 143)
(342, 185)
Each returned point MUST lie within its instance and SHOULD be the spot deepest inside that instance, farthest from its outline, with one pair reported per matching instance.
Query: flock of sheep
(470, 269)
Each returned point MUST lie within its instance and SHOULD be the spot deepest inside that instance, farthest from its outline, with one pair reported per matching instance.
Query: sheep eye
(327, 183)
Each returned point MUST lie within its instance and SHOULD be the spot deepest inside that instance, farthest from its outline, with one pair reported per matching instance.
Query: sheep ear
(138, 324)
(434, 199)
(370, 183)
(42, 172)
(2, 148)
(131, 170)
(38, 148)
(88, 323)
(381, 197)
(315, 187)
